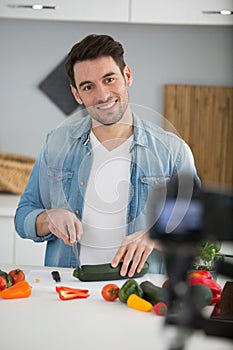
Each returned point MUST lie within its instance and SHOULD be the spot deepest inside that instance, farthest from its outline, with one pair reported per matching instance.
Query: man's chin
(107, 120)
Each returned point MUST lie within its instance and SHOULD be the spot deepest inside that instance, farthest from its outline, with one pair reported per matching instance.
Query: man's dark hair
(91, 47)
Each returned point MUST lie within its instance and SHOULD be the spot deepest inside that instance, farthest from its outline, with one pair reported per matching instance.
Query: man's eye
(109, 80)
(86, 88)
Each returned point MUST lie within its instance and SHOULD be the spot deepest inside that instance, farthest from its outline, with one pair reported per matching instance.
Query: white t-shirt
(105, 203)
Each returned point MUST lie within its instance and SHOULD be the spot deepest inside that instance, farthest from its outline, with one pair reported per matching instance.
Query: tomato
(110, 292)
(17, 275)
(3, 283)
(160, 308)
(165, 284)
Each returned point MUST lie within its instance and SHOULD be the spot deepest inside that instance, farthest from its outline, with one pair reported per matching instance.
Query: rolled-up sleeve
(31, 203)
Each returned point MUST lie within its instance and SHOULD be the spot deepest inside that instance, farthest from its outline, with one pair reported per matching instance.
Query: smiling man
(92, 180)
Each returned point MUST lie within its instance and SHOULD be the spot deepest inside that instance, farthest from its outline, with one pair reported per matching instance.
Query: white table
(43, 321)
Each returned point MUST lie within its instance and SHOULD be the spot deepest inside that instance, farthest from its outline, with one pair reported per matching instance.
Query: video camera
(181, 214)
(189, 213)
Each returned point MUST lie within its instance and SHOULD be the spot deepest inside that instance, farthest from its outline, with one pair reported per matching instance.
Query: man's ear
(128, 76)
(76, 94)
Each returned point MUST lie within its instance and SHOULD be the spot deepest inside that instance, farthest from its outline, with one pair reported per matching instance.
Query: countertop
(43, 321)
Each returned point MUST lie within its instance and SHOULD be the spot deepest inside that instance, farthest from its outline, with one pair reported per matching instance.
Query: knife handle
(56, 276)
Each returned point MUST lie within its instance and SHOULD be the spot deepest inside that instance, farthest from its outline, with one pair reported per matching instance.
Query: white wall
(157, 54)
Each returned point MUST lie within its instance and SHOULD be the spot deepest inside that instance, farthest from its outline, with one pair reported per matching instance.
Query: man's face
(102, 88)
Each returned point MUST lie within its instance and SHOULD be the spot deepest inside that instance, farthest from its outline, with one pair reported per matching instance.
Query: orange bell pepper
(21, 289)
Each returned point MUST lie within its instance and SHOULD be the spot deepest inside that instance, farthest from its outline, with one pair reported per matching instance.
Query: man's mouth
(105, 106)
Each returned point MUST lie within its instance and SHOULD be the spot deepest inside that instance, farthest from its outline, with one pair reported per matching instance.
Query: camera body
(189, 213)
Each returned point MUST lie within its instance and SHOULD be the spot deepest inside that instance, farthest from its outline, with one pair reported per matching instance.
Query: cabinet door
(181, 12)
(71, 10)
(28, 252)
(6, 240)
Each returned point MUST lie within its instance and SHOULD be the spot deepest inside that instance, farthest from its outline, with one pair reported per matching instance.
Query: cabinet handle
(221, 12)
(33, 6)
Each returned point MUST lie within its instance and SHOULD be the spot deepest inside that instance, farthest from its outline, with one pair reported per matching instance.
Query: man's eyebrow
(89, 82)
(108, 74)
(84, 83)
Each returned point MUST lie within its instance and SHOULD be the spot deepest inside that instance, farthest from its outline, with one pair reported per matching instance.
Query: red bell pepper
(216, 299)
(65, 295)
(68, 293)
(69, 289)
(215, 288)
(200, 273)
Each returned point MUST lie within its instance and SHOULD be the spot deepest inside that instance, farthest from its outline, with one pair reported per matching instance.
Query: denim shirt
(60, 175)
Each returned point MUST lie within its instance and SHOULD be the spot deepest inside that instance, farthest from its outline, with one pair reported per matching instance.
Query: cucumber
(200, 293)
(7, 278)
(104, 272)
(153, 293)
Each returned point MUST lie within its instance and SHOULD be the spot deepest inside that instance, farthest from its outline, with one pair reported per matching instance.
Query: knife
(74, 245)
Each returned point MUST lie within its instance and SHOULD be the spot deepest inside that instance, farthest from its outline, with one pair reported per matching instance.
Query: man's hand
(58, 221)
(138, 247)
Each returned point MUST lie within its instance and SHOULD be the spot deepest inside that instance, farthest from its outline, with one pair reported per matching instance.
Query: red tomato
(17, 275)
(110, 292)
(160, 308)
(165, 284)
(3, 283)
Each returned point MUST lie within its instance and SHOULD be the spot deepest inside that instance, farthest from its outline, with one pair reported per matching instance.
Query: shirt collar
(82, 127)
(140, 137)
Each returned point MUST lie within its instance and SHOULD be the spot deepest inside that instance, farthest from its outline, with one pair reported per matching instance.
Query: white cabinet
(191, 12)
(6, 240)
(13, 249)
(67, 10)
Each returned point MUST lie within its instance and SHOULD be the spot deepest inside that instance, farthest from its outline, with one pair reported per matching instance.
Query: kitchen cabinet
(72, 10)
(192, 12)
(13, 249)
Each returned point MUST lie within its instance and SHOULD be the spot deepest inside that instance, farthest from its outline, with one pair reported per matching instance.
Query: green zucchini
(200, 293)
(7, 278)
(104, 272)
(153, 293)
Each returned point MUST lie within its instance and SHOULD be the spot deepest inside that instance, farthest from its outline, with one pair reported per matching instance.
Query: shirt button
(77, 211)
(81, 183)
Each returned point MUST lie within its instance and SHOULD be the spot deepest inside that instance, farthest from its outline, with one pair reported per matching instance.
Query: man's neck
(112, 136)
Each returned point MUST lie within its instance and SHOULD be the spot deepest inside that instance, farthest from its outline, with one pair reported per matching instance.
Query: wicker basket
(15, 170)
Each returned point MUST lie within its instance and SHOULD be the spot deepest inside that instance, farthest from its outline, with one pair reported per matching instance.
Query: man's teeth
(109, 105)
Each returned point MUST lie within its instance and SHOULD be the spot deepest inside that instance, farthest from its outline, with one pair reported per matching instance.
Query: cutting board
(203, 117)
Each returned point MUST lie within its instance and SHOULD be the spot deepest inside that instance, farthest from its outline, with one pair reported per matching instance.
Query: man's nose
(102, 93)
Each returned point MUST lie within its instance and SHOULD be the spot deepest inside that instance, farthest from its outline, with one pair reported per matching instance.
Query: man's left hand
(138, 247)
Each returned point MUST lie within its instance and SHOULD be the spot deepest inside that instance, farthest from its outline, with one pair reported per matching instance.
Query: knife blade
(74, 245)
